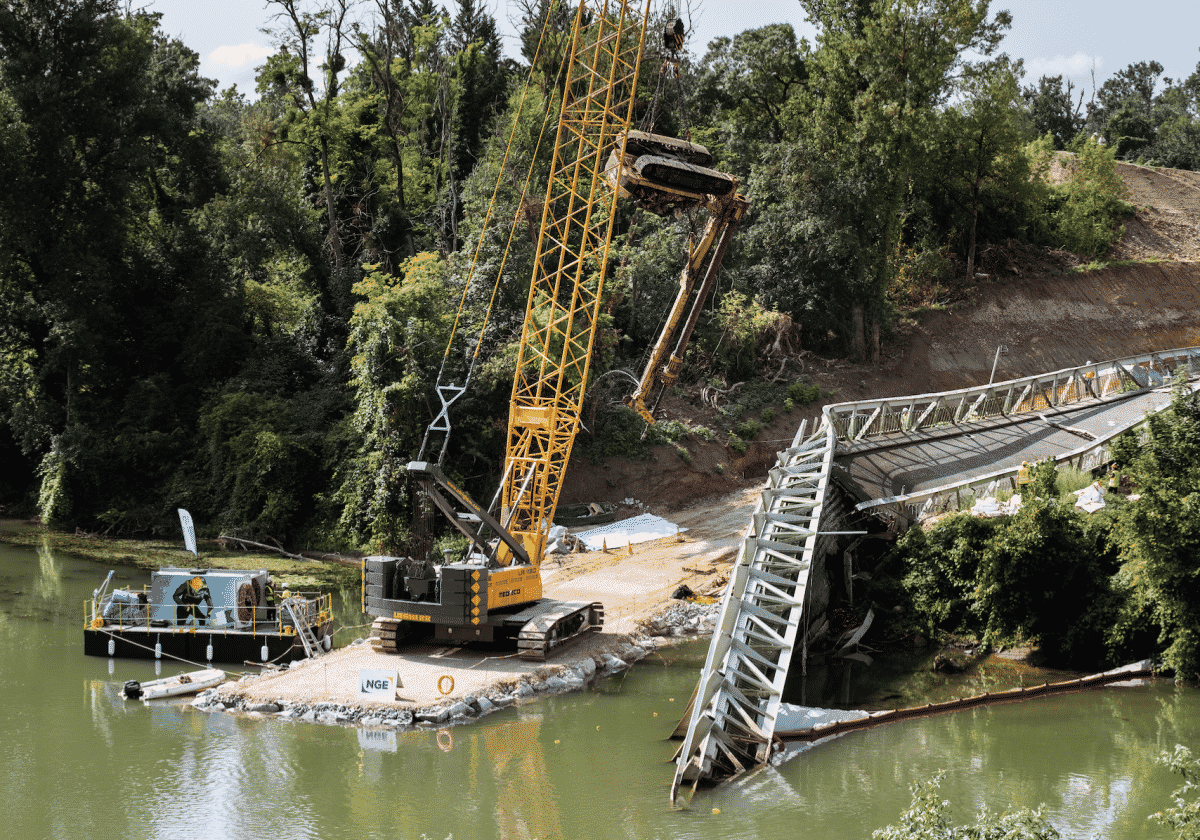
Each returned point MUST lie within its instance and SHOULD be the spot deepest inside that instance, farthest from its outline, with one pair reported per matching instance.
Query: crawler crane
(494, 592)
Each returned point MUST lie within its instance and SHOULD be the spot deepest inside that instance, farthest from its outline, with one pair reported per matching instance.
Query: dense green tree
(398, 332)
(809, 238)
(1054, 110)
(118, 314)
(1132, 87)
(310, 88)
(982, 163)
(743, 86)
(880, 73)
(1159, 535)
(1088, 208)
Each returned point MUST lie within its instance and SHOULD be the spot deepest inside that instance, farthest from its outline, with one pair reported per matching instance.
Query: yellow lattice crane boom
(578, 215)
(496, 590)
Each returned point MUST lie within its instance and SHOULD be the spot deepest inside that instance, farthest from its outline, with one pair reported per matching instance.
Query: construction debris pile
(684, 618)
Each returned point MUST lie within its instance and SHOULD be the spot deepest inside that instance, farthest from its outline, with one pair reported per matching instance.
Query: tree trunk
(859, 345)
(971, 241)
(335, 240)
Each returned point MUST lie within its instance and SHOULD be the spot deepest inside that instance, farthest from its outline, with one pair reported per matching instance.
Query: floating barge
(207, 615)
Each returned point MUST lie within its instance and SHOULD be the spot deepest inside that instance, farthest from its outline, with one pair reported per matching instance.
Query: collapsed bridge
(901, 460)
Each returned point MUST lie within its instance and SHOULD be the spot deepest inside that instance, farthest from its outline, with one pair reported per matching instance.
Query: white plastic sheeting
(1091, 498)
(989, 506)
(636, 529)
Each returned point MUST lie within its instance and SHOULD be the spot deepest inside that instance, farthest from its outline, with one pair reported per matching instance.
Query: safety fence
(732, 715)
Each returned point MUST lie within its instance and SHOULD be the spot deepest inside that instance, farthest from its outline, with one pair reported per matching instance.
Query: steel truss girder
(733, 714)
(860, 423)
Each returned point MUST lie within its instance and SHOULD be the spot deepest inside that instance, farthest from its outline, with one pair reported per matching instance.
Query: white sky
(1052, 36)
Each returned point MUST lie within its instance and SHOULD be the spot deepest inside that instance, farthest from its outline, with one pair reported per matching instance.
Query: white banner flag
(189, 531)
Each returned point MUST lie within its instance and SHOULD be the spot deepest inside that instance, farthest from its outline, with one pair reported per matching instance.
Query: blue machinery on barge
(207, 615)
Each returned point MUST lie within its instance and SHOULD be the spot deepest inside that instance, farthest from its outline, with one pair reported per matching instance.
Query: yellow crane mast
(569, 270)
(495, 591)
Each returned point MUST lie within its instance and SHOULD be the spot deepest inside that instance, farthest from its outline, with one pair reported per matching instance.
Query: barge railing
(298, 613)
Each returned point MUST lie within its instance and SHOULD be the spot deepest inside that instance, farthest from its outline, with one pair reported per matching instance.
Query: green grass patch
(1097, 265)
(155, 554)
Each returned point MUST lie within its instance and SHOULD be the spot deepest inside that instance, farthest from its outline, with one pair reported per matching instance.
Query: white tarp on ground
(1091, 498)
(989, 506)
(637, 529)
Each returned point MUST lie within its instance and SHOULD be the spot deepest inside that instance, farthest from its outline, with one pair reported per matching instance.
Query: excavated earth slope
(1051, 322)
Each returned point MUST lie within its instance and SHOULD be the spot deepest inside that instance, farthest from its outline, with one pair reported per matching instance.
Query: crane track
(541, 635)
(558, 626)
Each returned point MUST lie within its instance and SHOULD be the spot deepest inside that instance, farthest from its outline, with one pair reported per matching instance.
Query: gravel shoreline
(252, 696)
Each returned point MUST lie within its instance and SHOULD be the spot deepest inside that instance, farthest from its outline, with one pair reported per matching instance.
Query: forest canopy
(238, 304)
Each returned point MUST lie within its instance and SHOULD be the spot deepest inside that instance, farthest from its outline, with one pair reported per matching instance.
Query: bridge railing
(868, 420)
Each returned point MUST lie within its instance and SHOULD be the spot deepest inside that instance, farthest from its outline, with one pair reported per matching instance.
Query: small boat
(177, 686)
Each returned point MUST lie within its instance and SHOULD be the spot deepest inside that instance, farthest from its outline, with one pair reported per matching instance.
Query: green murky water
(77, 760)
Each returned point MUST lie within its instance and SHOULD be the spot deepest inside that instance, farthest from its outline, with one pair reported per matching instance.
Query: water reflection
(1090, 757)
(49, 584)
(77, 758)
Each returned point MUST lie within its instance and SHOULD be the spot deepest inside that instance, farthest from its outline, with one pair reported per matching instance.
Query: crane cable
(492, 204)
(484, 228)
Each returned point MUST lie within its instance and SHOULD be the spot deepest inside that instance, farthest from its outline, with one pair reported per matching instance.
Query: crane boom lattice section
(570, 265)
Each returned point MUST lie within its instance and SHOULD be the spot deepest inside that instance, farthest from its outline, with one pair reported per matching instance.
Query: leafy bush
(1086, 218)
(1184, 815)
(749, 429)
(618, 434)
(737, 444)
(928, 818)
(801, 393)
(1042, 574)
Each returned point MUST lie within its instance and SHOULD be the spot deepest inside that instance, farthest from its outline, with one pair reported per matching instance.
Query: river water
(77, 760)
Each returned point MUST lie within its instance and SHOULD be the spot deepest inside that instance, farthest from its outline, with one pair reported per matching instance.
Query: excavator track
(676, 174)
(385, 634)
(556, 626)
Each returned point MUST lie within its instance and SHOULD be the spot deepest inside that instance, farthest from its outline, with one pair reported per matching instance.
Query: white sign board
(379, 685)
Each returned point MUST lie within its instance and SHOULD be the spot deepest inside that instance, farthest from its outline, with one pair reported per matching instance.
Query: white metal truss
(761, 620)
(858, 422)
(732, 717)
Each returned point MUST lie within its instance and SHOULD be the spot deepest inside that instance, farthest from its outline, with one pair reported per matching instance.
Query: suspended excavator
(493, 591)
